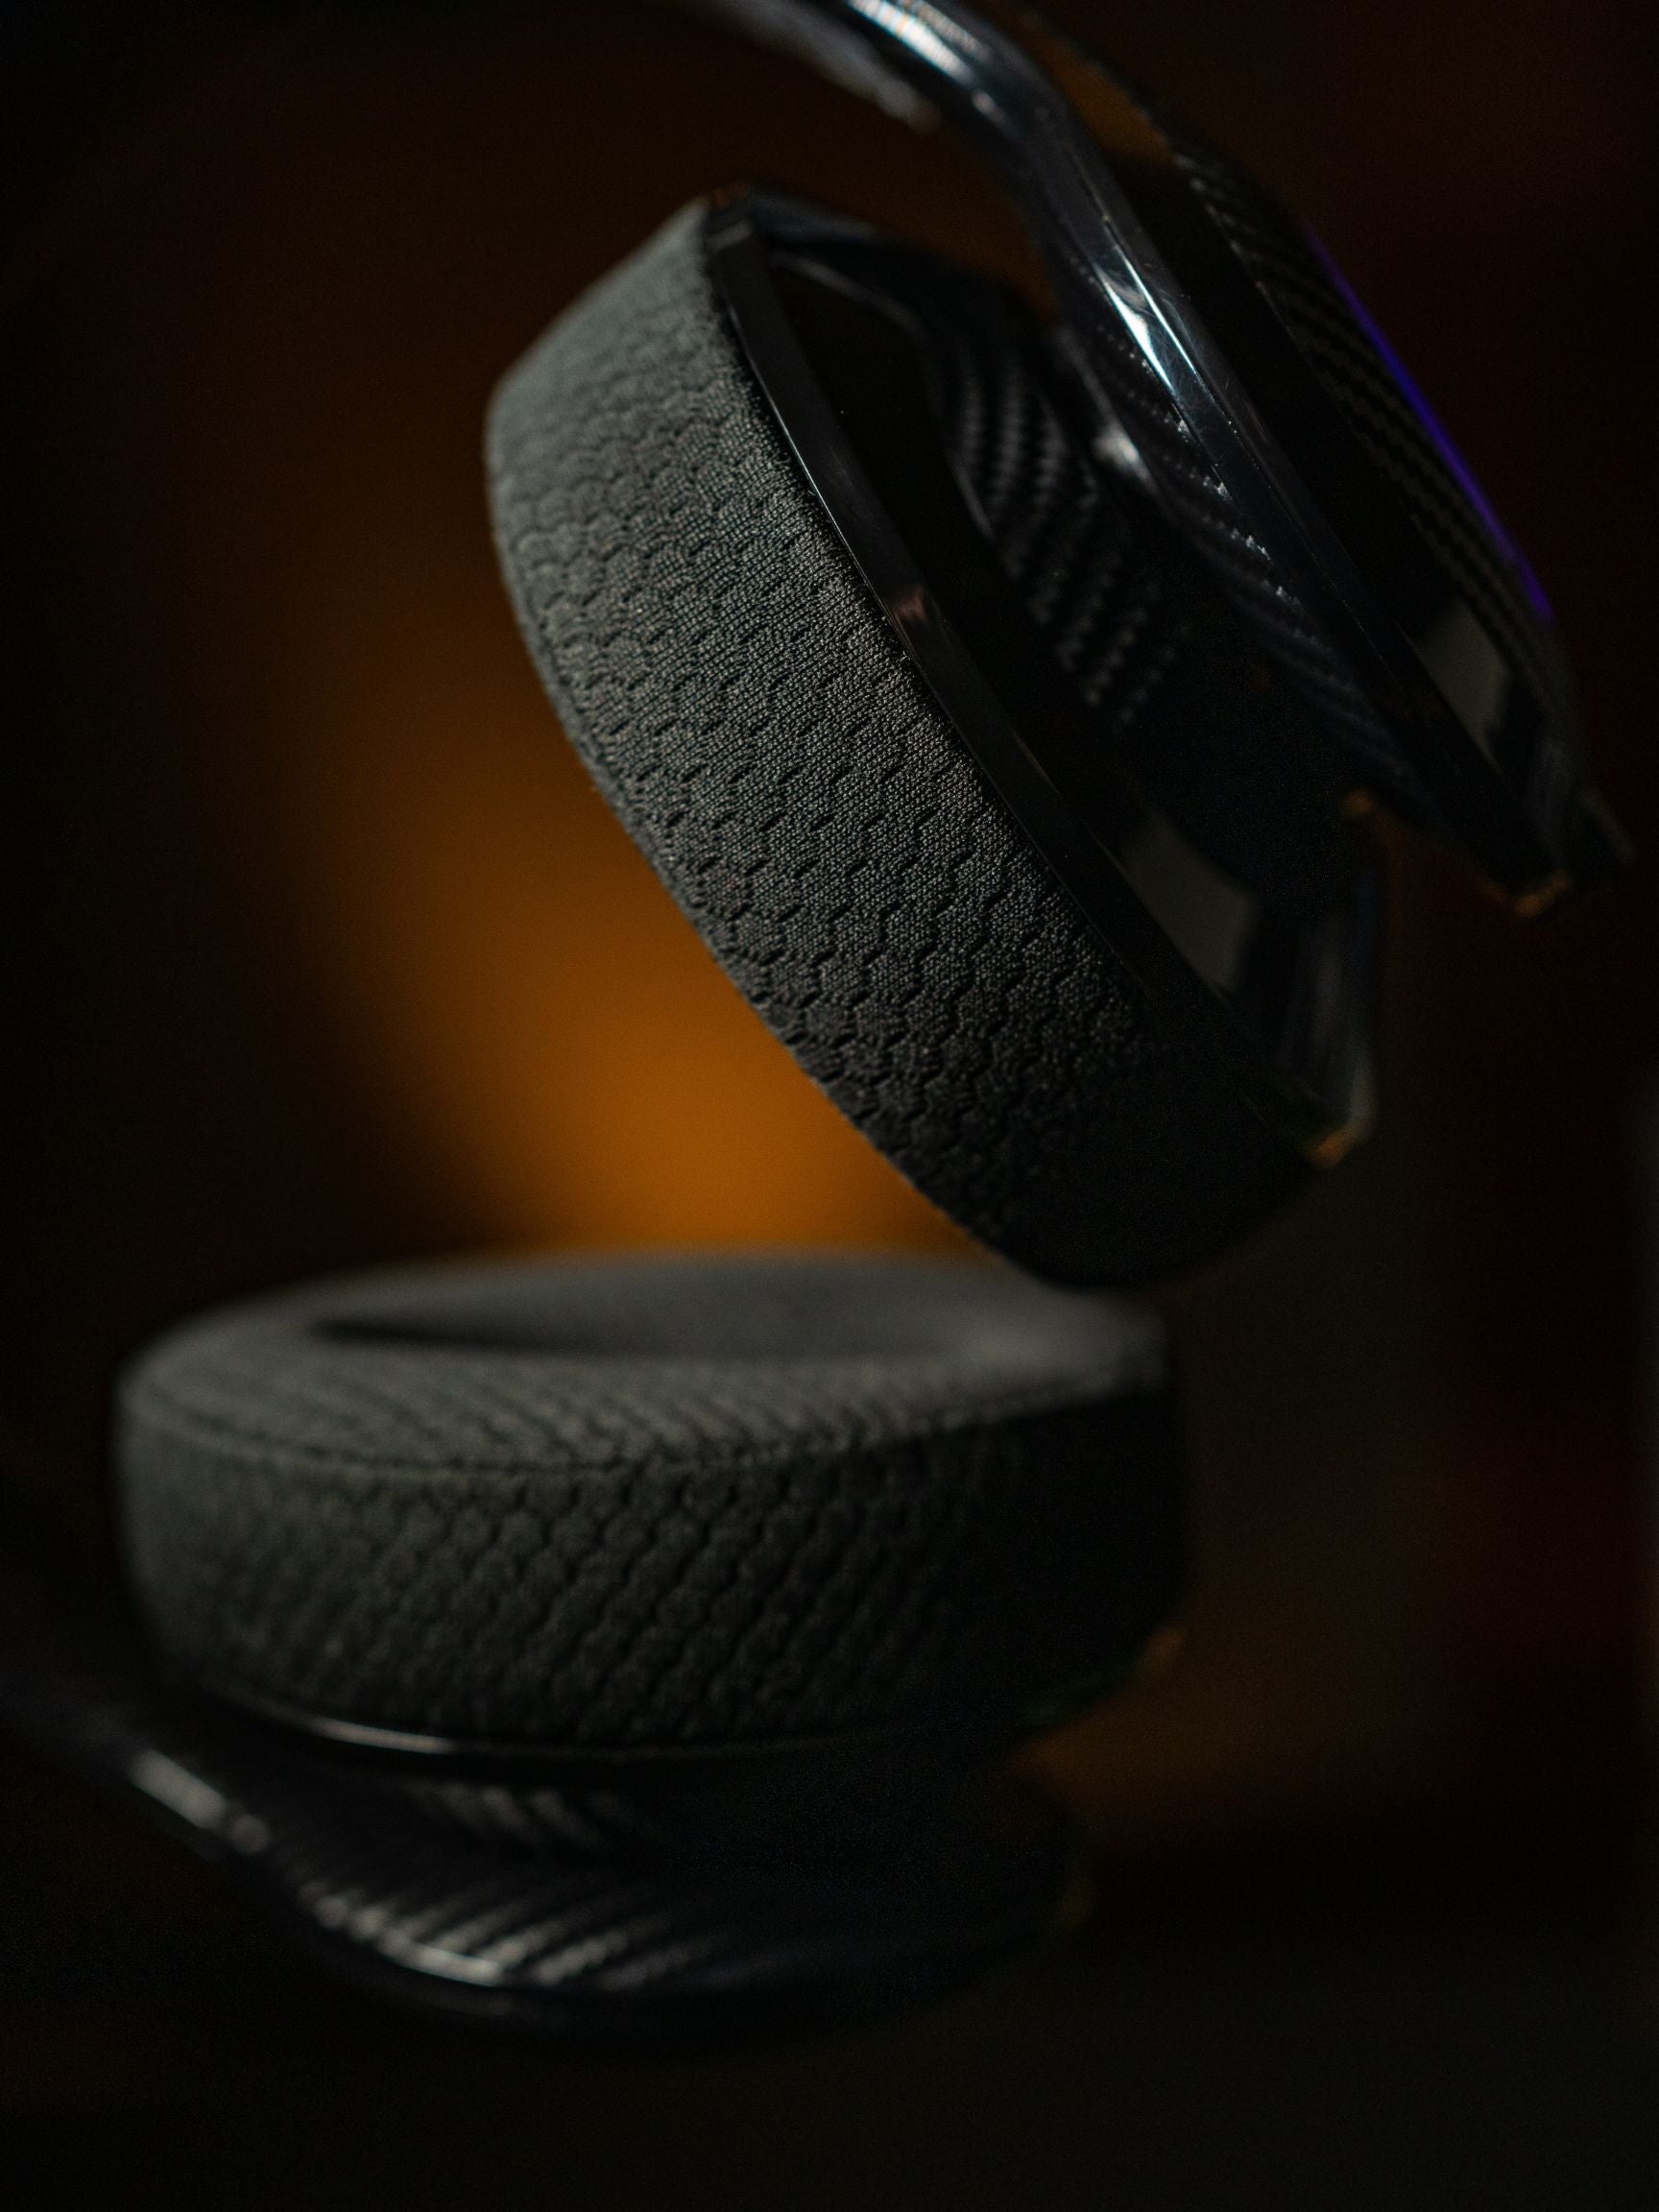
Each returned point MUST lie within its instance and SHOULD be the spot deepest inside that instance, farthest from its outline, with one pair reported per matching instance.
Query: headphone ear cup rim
(748, 713)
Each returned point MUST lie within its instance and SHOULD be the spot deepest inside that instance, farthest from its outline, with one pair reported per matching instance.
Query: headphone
(997, 677)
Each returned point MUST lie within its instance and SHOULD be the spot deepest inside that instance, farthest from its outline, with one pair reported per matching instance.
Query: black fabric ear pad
(637, 1503)
(746, 710)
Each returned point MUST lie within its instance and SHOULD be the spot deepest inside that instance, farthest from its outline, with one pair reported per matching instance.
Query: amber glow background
(333, 954)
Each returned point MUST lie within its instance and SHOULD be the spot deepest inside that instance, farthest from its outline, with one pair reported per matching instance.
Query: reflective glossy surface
(1268, 959)
(1249, 392)
(667, 1901)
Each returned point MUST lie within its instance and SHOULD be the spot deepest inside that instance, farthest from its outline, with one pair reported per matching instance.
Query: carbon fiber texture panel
(1311, 303)
(627, 1907)
(745, 708)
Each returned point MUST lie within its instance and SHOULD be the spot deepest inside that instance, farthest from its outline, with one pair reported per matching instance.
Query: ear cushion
(745, 708)
(655, 1503)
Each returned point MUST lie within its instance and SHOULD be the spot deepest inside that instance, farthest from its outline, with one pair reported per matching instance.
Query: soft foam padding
(630, 1502)
(749, 713)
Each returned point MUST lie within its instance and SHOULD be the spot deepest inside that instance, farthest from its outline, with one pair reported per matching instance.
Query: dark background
(323, 952)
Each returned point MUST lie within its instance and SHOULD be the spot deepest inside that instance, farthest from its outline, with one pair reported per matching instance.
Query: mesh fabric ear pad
(746, 710)
(635, 1502)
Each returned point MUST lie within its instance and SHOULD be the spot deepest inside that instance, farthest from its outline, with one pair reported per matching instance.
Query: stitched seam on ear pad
(742, 703)
(619, 1548)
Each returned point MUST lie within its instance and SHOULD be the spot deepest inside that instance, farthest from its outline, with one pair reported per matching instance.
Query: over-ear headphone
(996, 679)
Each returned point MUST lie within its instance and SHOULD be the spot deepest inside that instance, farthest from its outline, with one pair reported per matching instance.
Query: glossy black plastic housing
(658, 1901)
(1283, 437)
(1269, 967)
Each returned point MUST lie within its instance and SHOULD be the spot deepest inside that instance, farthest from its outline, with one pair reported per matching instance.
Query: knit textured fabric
(745, 708)
(633, 1503)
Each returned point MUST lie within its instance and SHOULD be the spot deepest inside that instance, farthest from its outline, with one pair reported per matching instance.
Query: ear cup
(745, 708)
(656, 1502)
